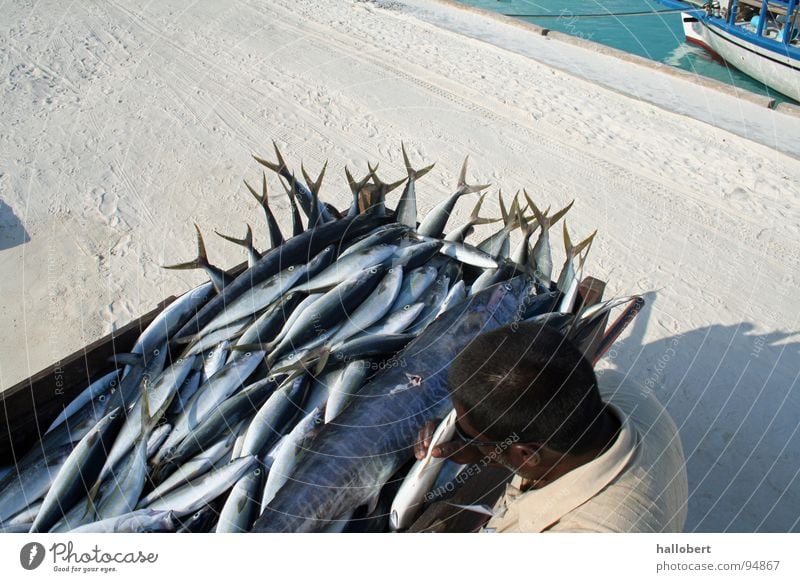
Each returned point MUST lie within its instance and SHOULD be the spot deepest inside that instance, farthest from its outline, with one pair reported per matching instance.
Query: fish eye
(507, 286)
(406, 308)
(156, 352)
(113, 383)
(247, 355)
(101, 398)
(257, 472)
(373, 270)
(391, 270)
(290, 269)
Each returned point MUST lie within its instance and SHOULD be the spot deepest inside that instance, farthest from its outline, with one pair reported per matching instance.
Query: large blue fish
(348, 461)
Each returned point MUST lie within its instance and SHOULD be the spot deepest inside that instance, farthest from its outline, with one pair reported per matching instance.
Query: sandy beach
(123, 125)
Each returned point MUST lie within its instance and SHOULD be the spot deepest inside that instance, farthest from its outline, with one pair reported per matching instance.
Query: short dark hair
(528, 380)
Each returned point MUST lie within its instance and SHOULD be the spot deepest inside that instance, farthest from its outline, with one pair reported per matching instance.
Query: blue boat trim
(747, 48)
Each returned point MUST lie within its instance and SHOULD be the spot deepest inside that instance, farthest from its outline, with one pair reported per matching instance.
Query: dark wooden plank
(31, 405)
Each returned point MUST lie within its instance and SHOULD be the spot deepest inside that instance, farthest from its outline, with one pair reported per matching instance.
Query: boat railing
(775, 20)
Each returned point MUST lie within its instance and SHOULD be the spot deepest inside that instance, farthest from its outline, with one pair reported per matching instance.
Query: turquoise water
(655, 36)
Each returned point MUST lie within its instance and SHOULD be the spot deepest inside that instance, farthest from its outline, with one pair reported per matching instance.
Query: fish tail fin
(522, 223)
(356, 186)
(275, 234)
(246, 242)
(503, 210)
(291, 192)
(586, 243)
(541, 217)
(201, 262)
(412, 173)
(513, 218)
(465, 188)
(560, 214)
(475, 218)
(568, 248)
(278, 167)
(314, 185)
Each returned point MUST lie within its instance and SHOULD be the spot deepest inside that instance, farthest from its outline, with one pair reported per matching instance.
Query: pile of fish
(285, 397)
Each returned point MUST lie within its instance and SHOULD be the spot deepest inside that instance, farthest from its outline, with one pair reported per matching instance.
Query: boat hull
(767, 61)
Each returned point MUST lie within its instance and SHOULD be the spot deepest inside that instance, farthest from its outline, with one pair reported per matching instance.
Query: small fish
(243, 504)
(81, 467)
(356, 186)
(543, 260)
(396, 322)
(293, 445)
(409, 499)
(344, 268)
(571, 273)
(197, 493)
(461, 233)
(297, 221)
(435, 221)
(406, 209)
(140, 521)
(305, 196)
(95, 389)
(373, 308)
(274, 417)
(497, 245)
(348, 382)
(273, 231)
(198, 465)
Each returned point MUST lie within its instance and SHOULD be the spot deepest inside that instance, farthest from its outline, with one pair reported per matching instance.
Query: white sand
(121, 125)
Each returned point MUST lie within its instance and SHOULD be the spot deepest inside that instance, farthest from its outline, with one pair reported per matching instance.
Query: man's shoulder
(650, 494)
(636, 401)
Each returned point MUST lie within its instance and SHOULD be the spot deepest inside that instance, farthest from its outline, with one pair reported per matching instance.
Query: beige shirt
(638, 485)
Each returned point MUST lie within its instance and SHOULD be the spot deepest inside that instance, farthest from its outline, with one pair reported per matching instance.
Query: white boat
(758, 37)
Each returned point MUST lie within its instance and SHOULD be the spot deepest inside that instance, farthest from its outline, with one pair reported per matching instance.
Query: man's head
(528, 384)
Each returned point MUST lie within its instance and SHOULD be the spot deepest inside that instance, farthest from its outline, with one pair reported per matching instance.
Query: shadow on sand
(12, 231)
(734, 394)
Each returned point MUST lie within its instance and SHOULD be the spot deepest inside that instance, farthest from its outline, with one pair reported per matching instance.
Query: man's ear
(528, 453)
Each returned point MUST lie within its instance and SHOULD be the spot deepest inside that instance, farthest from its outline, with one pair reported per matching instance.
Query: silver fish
(292, 445)
(395, 322)
(348, 382)
(197, 493)
(406, 209)
(243, 504)
(461, 233)
(409, 498)
(81, 467)
(373, 308)
(435, 221)
(543, 260)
